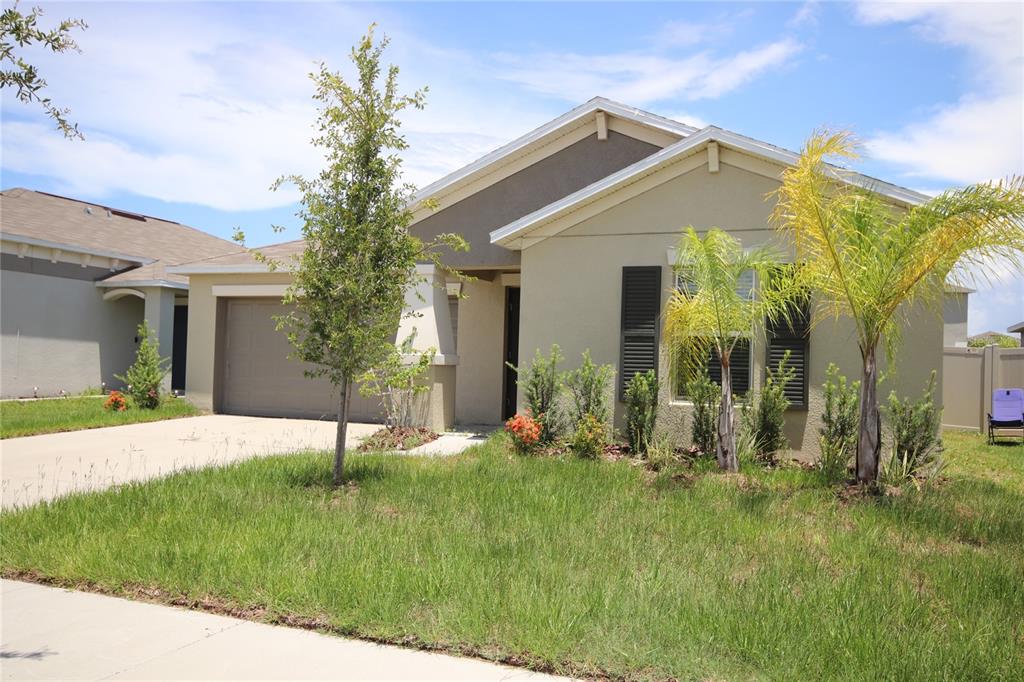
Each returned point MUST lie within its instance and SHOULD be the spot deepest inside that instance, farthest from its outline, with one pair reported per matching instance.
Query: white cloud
(641, 78)
(807, 15)
(202, 107)
(975, 139)
(978, 137)
(689, 119)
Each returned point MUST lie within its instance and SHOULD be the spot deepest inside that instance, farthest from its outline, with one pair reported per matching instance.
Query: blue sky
(191, 110)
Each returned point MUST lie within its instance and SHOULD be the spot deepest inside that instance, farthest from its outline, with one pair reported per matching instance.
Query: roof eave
(506, 235)
(73, 248)
(586, 109)
(217, 269)
(130, 283)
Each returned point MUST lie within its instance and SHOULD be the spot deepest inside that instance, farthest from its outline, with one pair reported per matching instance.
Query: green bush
(143, 379)
(641, 411)
(589, 386)
(590, 437)
(915, 436)
(660, 453)
(838, 433)
(762, 414)
(541, 386)
(705, 395)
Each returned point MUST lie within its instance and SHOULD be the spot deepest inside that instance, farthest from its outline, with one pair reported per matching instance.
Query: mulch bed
(398, 438)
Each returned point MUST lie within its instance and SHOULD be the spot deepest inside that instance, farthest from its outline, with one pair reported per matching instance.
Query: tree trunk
(344, 392)
(869, 437)
(726, 450)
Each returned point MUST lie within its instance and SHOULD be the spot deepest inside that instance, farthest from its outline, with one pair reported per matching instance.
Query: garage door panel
(259, 377)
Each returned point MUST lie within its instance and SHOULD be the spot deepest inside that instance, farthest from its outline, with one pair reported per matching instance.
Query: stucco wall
(59, 334)
(954, 317)
(571, 289)
(478, 378)
(538, 185)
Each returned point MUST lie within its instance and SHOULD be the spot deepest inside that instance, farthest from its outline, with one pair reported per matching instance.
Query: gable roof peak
(541, 135)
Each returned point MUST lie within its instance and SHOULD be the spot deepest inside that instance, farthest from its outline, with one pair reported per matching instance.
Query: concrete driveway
(60, 635)
(43, 467)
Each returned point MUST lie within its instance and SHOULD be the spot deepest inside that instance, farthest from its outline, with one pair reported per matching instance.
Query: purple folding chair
(1007, 411)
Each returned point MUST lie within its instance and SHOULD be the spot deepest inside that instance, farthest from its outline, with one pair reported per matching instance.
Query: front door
(511, 355)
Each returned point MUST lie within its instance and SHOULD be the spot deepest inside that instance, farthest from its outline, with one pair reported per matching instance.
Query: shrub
(115, 402)
(763, 413)
(541, 386)
(915, 435)
(525, 432)
(838, 433)
(398, 383)
(641, 411)
(705, 396)
(589, 387)
(590, 437)
(660, 453)
(144, 377)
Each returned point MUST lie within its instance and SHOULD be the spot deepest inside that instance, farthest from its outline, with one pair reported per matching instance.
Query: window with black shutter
(641, 306)
(739, 359)
(739, 367)
(792, 335)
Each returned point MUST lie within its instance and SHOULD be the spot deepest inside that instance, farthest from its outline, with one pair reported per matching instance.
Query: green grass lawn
(578, 566)
(30, 417)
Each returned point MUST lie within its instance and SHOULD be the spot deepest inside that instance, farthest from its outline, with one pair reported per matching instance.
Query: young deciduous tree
(19, 30)
(867, 260)
(360, 259)
(711, 313)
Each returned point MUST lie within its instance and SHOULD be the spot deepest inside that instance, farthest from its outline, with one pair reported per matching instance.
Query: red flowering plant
(116, 402)
(525, 432)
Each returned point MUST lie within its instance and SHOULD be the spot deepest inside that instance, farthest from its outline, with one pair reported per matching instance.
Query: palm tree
(869, 260)
(710, 312)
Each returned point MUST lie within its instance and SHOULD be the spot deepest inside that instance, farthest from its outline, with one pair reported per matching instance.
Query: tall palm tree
(710, 312)
(869, 260)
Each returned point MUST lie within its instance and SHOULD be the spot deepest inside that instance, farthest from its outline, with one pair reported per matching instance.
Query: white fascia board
(218, 269)
(72, 248)
(585, 110)
(249, 290)
(135, 283)
(684, 147)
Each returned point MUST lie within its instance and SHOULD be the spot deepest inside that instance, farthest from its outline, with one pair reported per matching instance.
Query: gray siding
(548, 180)
(57, 333)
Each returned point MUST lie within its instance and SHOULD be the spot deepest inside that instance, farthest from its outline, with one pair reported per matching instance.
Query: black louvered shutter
(641, 306)
(739, 367)
(792, 336)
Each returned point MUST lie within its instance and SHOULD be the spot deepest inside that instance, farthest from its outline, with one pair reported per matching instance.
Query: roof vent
(88, 209)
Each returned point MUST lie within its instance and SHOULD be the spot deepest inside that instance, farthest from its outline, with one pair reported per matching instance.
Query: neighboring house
(1017, 329)
(572, 230)
(76, 279)
(954, 316)
(991, 338)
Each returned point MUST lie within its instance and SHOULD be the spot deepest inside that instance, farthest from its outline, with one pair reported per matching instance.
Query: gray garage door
(259, 378)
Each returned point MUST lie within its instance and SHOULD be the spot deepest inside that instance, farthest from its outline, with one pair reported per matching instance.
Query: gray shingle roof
(60, 220)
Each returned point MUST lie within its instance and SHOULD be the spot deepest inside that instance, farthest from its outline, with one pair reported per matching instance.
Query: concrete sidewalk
(49, 633)
(43, 467)
(454, 442)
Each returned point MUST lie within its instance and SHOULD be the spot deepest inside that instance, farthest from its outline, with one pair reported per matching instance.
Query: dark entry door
(508, 403)
(178, 349)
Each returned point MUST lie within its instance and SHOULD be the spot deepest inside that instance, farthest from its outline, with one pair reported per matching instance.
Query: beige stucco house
(572, 229)
(76, 279)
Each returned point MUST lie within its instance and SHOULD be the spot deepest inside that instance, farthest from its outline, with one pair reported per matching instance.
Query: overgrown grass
(30, 417)
(580, 566)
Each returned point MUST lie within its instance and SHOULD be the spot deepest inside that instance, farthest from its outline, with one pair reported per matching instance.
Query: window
(794, 337)
(641, 306)
(739, 360)
(739, 369)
